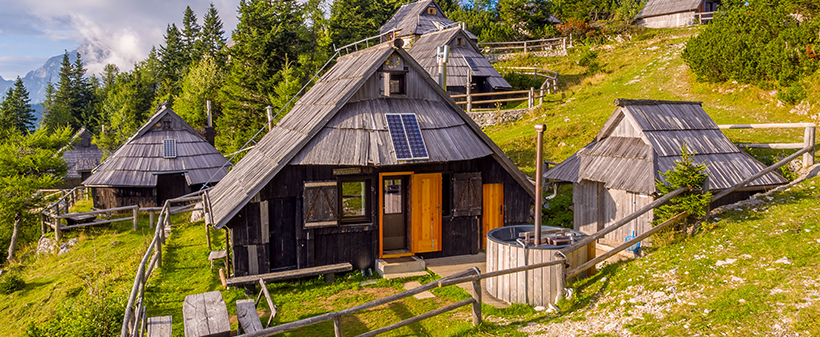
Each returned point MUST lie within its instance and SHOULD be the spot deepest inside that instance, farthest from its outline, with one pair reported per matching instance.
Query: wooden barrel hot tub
(537, 287)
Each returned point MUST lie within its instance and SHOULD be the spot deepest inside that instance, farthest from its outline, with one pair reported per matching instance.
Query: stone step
(400, 265)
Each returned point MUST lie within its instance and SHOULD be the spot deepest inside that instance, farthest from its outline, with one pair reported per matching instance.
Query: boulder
(46, 246)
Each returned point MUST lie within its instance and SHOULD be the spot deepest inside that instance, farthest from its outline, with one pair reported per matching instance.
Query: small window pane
(392, 196)
(396, 84)
(353, 199)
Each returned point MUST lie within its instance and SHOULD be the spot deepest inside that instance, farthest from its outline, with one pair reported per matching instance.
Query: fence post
(158, 246)
(809, 140)
(564, 43)
(541, 99)
(136, 211)
(208, 236)
(337, 327)
(150, 219)
(469, 98)
(530, 100)
(58, 234)
(477, 302)
(525, 47)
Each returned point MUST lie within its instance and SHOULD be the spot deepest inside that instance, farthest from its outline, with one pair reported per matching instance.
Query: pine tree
(125, 108)
(60, 114)
(266, 36)
(213, 37)
(173, 64)
(83, 106)
(15, 109)
(353, 20)
(48, 102)
(191, 36)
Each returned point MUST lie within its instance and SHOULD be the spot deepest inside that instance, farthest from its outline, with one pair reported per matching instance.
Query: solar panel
(411, 128)
(470, 61)
(398, 136)
(406, 136)
(169, 148)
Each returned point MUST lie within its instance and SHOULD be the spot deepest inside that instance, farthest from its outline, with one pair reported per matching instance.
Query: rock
(736, 279)
(801, 109)
(2, 272)
(198, 215)
(63, 249)
(73, 242)
(553, 308)
(706, 311)
(783, 260)
(741, 300)
(725, 262)
(658, 294)
(568, 293)
(746, 256)
(45, 246)
(113, 243)
(603, 279)
(540, 308)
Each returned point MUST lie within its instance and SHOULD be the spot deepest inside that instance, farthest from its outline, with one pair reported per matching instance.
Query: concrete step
(400, 265)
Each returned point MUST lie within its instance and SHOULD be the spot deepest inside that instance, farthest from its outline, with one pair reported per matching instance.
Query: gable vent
(169, 148)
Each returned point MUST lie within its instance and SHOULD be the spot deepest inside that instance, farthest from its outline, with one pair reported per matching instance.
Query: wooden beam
(761, 173)
(766, 126)
(776, 146)
(290, 274)
(419, 318)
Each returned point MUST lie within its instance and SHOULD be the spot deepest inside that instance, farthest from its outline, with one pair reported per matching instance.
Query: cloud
(126, 28)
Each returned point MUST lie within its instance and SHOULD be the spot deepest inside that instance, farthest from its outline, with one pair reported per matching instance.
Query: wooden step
(160, 326)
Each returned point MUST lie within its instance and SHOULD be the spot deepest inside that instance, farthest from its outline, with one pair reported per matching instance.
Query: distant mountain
(36, 80)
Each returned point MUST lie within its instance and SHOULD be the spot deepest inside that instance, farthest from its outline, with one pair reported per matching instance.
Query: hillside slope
(648, 66)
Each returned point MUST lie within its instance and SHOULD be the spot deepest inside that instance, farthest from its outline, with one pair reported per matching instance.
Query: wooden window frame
(432, 11)
(402, 79)
(367, 200)
(308, 204)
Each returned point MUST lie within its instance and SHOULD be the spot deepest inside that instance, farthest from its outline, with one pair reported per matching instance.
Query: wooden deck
(290, 274)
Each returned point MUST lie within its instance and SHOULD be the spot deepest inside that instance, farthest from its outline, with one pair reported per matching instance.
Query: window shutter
(467, 197)
(320, 204)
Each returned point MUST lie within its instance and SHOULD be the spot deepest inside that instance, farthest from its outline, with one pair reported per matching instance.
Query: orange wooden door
(425, 195)
(493, 212)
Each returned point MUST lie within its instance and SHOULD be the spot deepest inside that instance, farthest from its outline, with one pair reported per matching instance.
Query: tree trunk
(18, 219)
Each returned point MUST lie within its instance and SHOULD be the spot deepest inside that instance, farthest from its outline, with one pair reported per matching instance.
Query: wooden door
(171, 186)
(282, 233)
(426, 212)
(394, 215)
(493, 214)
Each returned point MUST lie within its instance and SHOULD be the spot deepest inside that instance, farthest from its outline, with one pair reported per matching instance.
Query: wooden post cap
(540, 127)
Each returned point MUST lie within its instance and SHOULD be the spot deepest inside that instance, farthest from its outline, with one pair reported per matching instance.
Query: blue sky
(31, 31)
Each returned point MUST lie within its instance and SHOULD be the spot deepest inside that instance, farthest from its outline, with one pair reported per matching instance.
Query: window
(459, 41)
(169, 148)
(405, 134)
(167, 124)
(393, 196)
(320, 204)
(397, 84)
(431, 11)
(467, 194)
(355, 201)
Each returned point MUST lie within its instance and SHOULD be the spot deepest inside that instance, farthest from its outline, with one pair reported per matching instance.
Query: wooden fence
(809, 138)
(135, 319)
(705, 17)
(523, 46)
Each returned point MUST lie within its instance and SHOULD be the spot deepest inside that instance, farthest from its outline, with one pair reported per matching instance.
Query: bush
(685, 174)
(559, 214)
(590, 60)
(94, 315)
(793, 94)
(11, 283)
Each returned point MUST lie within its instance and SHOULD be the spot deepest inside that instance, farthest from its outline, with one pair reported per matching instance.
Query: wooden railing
(60, 207)
(135, 318)
(809, 138)
(550, 85)
(355, 45)
(705, 17)
(523, 46)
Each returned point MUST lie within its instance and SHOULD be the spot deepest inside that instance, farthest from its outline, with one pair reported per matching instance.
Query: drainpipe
(539, 177)
(269, 111)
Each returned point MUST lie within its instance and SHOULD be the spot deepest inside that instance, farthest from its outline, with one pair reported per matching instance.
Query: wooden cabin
(676, 13)
(465, 64)
(81, 158)
(165, 159)
(415, 19)
(615, 175)
(376, 160)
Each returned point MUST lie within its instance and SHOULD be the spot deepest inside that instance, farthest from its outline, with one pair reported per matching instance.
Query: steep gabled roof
(137, 162)
(291, 141)
(424, 52)
(663, 7)
(644, 137)
(413, 19)
(83, 155)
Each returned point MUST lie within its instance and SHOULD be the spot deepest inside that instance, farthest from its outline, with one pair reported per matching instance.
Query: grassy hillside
(647, 67)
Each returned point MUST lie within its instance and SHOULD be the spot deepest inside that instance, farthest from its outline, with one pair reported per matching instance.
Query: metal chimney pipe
(539, 177)
(210, 118)
(442, 54)
(269, 110)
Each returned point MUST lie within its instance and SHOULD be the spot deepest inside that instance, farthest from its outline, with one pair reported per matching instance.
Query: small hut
(615, 175)
(165, 159)
(675, 13)
(81, 159)
(374, 161)
(465, 64)
(416, 19)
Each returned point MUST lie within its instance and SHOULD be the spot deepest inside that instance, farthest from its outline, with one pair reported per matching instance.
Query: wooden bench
(290, 274)
(160, 326)
(216, 255)
(80, 219)
(206, 315)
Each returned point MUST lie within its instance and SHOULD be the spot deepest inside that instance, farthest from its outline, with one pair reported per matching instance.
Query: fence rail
(809, 138)
(523, 46)
(135, 319)
(705, 17)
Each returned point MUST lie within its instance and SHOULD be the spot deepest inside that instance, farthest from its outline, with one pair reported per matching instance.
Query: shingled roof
(137, 162)
(413, 19)
(424, 51)
(643, 138)
(663, 7)
(83, 156)
(331, 113)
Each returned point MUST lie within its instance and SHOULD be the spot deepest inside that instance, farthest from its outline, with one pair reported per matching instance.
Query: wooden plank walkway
(290, 274)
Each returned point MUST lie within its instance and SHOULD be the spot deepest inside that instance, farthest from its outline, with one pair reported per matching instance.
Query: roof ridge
(626, 101)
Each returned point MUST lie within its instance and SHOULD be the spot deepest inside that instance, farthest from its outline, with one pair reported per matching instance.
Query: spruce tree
(213, 37)
(191, 36)
(15, 109)
(60, 114)
(353, 20)
(173, 64)
(266, 36)
(83, 106)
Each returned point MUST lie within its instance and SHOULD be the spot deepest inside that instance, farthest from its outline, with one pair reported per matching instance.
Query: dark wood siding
(110, 197)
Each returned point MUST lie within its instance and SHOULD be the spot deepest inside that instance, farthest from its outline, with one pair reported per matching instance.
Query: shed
(416, 19)
(615, 175)
(81, 158)
(675, 13)
(165, 159)
(465, 64)
(374, 161)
